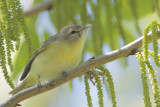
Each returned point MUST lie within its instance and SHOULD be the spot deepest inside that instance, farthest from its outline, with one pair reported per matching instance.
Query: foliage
(144, 60)
(109, 27)
(11, 21)
(100, 90)
(89, 100)
(146, 96)
(110, 83)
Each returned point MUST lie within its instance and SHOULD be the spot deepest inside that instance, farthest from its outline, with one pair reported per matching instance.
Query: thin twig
(76, 72)
(39, 8)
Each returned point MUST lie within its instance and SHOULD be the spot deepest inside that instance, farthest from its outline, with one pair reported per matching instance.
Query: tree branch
(39, 8)
(76, 72)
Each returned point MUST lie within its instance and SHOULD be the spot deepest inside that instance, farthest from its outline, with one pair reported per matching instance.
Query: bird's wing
(41, 49)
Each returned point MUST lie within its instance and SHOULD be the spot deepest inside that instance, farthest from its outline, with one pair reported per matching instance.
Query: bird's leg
(38, 84)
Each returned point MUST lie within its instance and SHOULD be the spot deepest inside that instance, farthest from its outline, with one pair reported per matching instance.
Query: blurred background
(114, 24)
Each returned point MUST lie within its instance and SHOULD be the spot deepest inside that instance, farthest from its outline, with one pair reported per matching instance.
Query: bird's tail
(20, 87)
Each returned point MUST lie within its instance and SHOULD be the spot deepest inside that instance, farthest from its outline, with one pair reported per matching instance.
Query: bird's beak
(86, 27)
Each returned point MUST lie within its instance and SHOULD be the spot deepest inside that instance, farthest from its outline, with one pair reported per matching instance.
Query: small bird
(59, 53)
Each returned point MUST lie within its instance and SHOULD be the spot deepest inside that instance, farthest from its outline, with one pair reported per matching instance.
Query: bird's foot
(64, 74)
(38, 85)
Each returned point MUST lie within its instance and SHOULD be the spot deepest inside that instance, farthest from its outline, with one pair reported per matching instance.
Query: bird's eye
(73, 32)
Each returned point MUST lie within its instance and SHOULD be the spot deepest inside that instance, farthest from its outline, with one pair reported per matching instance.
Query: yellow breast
(57, 58)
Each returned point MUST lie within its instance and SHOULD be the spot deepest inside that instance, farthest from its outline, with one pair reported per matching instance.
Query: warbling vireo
(59, 53)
